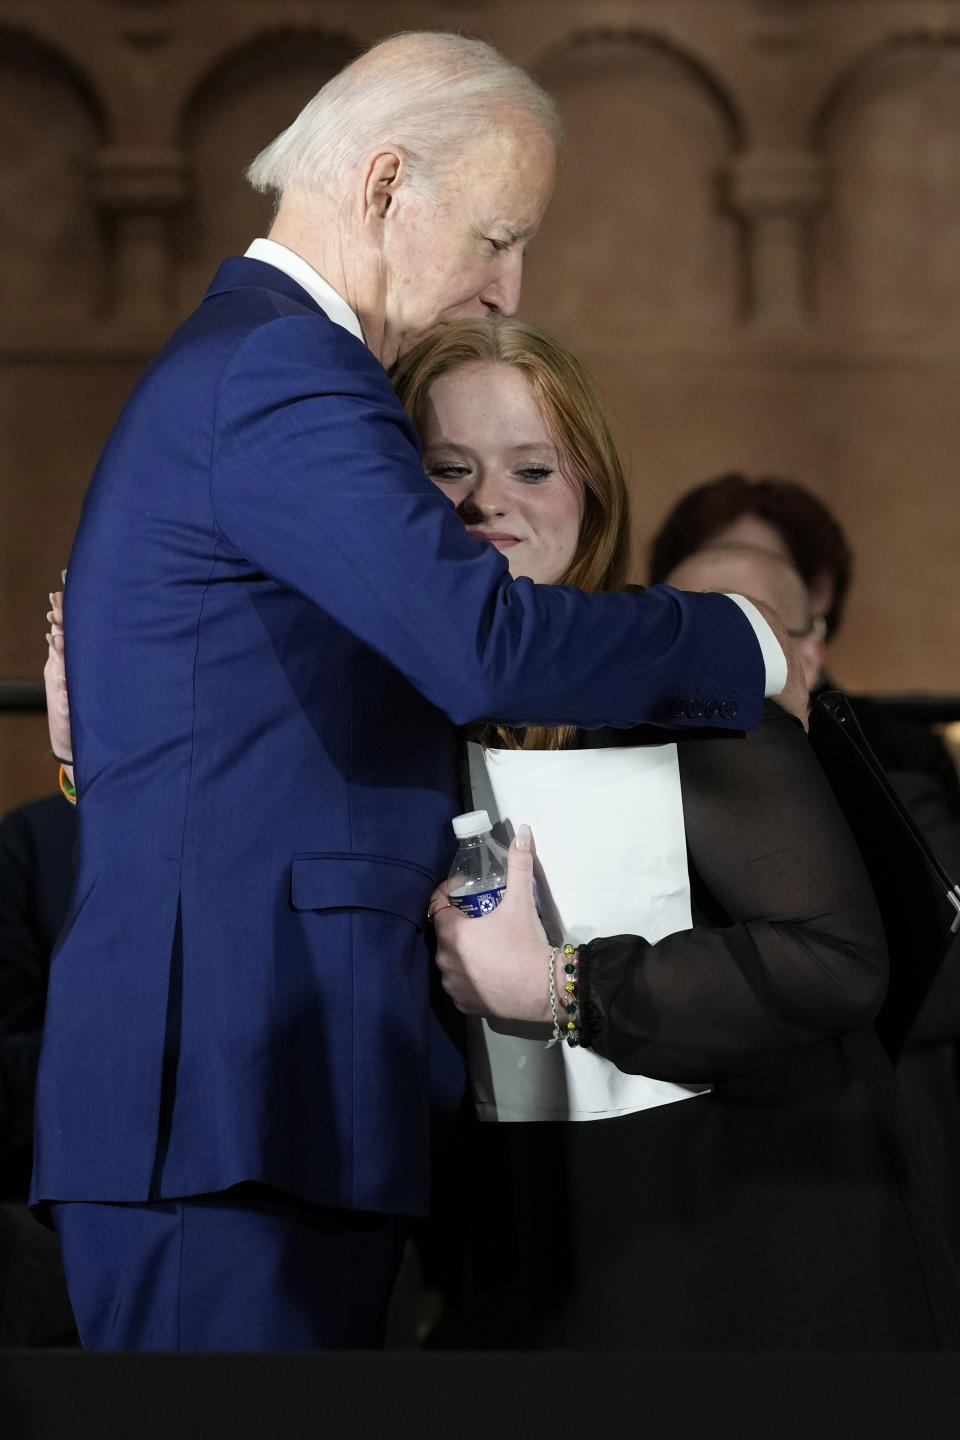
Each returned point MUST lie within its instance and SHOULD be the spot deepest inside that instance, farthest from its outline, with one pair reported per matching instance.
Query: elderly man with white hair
(274, 624)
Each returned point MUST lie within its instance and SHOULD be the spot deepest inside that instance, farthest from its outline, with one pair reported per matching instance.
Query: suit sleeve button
(728, 709)
(694, 709)
(710, 709)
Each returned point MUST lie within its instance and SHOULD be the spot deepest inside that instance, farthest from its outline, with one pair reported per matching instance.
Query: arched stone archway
(247, 98)
(637, 236)
(50, 235)
(890, 137)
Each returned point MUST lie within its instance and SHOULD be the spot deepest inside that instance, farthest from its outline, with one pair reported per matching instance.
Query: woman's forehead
(489, 397)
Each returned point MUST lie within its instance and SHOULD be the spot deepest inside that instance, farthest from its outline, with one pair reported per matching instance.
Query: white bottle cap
(474, 822)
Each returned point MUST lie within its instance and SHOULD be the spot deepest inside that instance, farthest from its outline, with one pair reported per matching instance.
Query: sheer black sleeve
(793, 950)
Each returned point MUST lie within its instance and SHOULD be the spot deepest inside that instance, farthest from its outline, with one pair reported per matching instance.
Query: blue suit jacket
(275, 623)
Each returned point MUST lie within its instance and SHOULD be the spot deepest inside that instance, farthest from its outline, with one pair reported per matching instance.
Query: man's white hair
(426, 93)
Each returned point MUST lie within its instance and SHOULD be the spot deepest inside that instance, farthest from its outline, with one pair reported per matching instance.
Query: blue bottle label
(481, 902)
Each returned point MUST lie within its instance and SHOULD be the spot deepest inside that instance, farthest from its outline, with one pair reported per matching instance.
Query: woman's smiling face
(486, 445)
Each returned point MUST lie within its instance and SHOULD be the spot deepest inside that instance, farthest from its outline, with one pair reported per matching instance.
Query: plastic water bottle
(479, 866)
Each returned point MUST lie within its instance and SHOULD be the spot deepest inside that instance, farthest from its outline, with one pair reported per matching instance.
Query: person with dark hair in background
(770, 514)
(782, 518)
(786, 519)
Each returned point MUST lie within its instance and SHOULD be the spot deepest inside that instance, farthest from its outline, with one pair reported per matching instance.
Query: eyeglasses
(817, 626)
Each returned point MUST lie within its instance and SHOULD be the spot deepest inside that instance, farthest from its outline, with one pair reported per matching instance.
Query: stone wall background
(753, 244)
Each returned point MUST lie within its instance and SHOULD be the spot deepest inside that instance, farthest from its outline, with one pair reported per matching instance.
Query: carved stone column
(778, 192)
(140, 191)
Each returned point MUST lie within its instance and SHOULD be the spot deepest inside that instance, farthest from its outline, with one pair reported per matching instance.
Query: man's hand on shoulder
(795, 695)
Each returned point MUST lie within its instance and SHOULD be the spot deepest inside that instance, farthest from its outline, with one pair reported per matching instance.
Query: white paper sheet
(609, 834)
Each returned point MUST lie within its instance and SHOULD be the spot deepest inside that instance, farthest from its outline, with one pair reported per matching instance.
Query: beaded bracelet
(568, 1030)
(68, 791)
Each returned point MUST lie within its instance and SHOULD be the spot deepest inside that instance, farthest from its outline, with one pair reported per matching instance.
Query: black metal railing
(22, 695)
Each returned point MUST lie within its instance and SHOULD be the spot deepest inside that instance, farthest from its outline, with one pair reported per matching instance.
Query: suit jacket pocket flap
(360, 882)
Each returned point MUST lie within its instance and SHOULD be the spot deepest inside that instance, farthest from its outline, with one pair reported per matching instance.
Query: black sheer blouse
(787, 945)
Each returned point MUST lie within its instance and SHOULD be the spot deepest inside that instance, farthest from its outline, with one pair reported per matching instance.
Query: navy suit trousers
(248, 1269)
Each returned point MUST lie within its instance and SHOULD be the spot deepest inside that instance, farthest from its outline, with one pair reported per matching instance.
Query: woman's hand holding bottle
(496, 965)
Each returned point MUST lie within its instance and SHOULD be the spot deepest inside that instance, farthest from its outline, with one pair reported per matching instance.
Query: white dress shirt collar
(333, 305)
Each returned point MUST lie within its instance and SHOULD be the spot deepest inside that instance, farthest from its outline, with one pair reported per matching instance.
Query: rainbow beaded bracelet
(68, 791)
